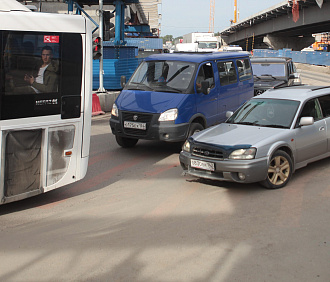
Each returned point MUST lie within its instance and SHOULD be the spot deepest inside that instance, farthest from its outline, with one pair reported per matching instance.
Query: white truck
(198, 42)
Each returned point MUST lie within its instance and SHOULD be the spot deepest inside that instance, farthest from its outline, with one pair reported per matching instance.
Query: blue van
(171, 96)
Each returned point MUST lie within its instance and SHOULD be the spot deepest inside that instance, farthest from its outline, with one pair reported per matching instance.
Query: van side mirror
(205, 87)
(123, 81)
(229, 114)
(306, 121)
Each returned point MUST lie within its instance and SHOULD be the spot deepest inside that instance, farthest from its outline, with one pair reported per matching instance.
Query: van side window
(325, 105)
(227, 73)
(244, 69)
(205, 74)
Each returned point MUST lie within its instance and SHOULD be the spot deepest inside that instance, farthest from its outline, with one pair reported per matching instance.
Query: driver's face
(46, 56)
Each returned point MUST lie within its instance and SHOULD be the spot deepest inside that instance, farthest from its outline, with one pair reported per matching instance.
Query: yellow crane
(235, 11)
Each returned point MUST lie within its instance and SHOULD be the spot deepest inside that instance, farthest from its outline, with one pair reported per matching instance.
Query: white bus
(45, 100)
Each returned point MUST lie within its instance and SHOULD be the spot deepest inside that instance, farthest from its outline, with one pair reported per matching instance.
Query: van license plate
(202, 165)
(135, 125)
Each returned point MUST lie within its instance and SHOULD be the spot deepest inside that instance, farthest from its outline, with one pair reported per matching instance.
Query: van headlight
(186, 146)
(114, 111)
(243, 154)
(169, 115)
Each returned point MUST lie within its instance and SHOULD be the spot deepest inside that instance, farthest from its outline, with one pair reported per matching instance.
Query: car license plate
(202, 165)
(135, 125)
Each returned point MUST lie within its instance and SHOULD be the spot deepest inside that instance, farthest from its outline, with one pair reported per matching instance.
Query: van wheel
(279, 171)
(194, 128)
(126, 142)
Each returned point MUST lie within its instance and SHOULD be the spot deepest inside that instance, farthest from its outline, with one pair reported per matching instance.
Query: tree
(167, 38)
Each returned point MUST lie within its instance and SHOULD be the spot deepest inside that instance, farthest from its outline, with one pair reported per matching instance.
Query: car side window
(244, 69)
(325, 105)
(227, 73)
(312, 109)
(205, 74)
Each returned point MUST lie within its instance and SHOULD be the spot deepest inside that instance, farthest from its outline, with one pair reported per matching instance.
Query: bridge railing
(304, 57)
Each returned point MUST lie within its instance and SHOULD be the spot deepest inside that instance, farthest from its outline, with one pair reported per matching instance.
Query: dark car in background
(273, 72)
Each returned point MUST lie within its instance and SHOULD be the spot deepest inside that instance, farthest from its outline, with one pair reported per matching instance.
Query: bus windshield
(162, 76)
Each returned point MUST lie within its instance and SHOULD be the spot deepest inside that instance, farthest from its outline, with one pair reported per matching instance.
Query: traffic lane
(149, 223)
(181, 230)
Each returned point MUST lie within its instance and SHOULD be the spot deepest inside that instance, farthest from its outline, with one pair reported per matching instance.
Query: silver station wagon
(265, 140)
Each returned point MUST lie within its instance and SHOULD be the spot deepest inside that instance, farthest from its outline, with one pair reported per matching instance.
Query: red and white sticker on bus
(51, 39)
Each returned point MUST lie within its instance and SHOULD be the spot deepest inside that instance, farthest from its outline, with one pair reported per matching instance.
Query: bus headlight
(114, 111)
(186, 146)
(243, 154)
(169, 115)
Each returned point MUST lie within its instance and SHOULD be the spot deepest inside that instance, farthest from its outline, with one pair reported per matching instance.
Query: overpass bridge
(275, 27)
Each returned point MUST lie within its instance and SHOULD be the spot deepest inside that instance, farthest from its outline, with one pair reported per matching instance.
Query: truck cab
(171, 96)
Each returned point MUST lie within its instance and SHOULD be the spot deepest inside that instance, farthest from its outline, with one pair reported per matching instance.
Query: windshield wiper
(175, 90)
(247, 122)
(274, 125)
(139, 86)
(269, 75)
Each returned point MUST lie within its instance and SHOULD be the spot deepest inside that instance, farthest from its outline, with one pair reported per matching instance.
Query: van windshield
(162, 76)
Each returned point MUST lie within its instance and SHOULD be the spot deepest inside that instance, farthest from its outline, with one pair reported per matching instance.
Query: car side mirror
(123, 81)
(229, 114)
(306, 121)
(205, 87)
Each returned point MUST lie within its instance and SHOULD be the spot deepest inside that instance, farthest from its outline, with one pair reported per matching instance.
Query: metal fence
(304, 57)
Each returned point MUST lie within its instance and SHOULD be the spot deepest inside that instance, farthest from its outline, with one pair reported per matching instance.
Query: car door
(325, 107)
(207, 103)
(311, 140)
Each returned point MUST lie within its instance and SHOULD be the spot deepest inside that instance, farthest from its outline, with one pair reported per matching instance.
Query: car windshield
(269, 69)
(206, 44)
(162, 76)
(275, 113)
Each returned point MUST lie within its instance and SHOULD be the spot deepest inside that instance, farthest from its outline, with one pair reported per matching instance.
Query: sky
(180, 17)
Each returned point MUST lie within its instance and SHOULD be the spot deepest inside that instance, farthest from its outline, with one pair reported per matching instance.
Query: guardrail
(304, 57)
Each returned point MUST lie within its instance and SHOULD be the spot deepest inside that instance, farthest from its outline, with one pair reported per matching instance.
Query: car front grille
(208, 153)
(136, 117)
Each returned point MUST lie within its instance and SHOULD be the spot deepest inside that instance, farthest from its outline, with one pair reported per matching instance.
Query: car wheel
(279, 171)
(194, 128)
(126, 142)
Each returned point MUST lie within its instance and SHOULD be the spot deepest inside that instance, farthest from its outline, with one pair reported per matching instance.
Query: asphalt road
(135, 217)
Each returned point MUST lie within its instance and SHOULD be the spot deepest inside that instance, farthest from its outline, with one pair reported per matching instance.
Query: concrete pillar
(294, 43)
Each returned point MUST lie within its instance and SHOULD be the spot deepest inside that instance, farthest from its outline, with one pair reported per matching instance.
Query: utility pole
(211, 20)
(101, 72)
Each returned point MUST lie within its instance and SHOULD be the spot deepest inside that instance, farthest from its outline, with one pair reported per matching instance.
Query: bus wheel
(126, 142)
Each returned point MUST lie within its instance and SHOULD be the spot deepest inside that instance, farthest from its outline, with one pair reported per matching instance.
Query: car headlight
(114, 111)
(243, 154)
(186, 146)
(169, 115)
